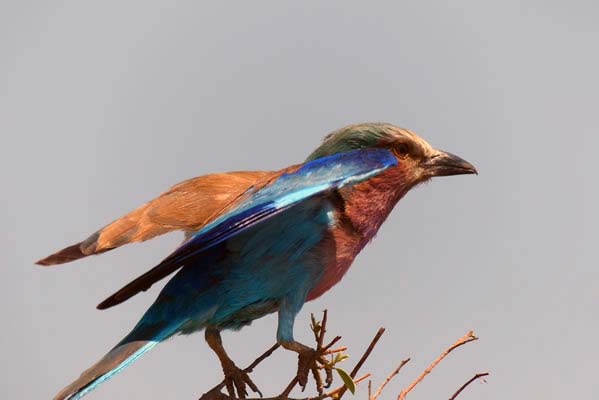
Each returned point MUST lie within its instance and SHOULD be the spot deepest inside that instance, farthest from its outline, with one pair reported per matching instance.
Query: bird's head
(414, 155)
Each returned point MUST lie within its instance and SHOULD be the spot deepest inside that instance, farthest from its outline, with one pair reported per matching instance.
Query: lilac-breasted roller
(259, 242)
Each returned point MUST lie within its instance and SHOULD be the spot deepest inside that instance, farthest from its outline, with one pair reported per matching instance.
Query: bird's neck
(362, 209)
(367, 204)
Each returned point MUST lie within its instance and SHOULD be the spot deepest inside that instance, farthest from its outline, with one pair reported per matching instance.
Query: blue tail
(133, 346)
(179, 308)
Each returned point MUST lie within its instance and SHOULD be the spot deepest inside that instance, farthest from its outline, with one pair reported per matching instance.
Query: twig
(354, 371)
(323, 329)
(468, 337)
(330, 394)
(373, 343)
(336, 393)
(377, 393)
(335, 350)
(263, 357)
(475, 377)
(319, 330)
(331, 343)
(289, 388)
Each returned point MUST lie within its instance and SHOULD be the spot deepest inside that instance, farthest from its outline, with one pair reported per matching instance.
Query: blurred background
(103, 105)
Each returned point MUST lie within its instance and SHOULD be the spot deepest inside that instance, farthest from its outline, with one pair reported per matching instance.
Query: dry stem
(475, 377)
(319, 330)
(366, 354)
(468, 337)
(387, 380)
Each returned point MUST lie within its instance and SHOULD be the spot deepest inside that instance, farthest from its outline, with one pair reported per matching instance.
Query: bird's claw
(311, 360)
(236, 380)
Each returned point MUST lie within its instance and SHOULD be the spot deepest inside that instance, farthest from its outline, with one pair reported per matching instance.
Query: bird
(260, 242)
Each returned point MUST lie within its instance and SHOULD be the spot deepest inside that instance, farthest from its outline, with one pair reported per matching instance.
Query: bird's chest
(360, 212)
(340, 248)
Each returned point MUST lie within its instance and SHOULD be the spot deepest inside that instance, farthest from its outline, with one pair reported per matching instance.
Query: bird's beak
(444, 164)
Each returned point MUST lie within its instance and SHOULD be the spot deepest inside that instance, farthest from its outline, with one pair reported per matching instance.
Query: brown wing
(187, 206)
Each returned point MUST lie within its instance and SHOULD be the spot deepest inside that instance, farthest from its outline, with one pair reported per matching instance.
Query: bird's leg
(309, 359)
(235, 378)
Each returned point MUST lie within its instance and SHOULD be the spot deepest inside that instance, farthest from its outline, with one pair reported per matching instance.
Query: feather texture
(291, 186)
(186, 206)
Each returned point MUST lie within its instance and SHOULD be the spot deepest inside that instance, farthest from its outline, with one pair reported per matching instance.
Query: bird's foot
(314, 360)
(236, 380)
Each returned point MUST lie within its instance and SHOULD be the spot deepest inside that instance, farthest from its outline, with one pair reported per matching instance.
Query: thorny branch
(337, 355)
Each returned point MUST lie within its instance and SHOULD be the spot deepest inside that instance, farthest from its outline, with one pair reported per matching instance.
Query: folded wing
(275, 195)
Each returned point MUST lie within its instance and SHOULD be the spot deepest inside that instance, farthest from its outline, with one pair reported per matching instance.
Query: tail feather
(117, 359)
(152, 329)
(142, 338)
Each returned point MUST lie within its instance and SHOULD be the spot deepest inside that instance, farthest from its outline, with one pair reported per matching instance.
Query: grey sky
(105, 104)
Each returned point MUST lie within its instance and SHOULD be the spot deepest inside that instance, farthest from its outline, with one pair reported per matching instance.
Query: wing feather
(291, 186)
(187, 206)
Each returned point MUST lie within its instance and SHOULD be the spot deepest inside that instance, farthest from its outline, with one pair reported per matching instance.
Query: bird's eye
(401, 150)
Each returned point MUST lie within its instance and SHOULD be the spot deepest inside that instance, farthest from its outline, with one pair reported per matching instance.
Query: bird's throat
(369, 203)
